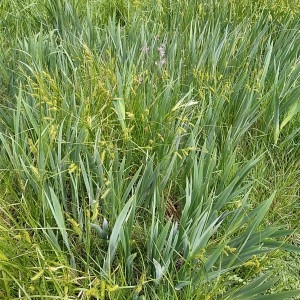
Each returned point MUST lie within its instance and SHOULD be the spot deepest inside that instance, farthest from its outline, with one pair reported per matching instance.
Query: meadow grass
(149, 149)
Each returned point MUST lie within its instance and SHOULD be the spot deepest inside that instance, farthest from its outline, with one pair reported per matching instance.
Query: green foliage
(148, 148)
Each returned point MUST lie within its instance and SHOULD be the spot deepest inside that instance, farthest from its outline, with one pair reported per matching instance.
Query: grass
(149, 149)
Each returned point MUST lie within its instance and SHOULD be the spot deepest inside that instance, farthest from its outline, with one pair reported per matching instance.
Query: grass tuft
(149, 149)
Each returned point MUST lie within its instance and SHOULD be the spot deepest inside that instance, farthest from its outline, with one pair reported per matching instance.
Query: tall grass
(137, 142)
